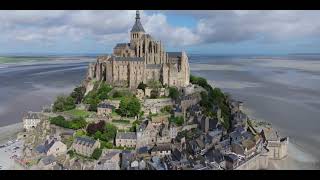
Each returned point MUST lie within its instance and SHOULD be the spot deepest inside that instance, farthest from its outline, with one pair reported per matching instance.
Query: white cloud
(110, 27)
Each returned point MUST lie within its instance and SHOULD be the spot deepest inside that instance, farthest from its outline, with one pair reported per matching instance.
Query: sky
(203, 32)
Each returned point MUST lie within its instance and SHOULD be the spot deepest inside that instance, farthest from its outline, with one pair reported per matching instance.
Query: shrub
(142, 86)
(94, 127)
(177, 120)
(174, 93)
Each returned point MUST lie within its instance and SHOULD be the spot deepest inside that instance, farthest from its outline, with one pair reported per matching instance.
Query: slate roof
(153, 66)
(32, 115)
(45, 147)
(174, 54)
(231, 158)
(137, 27)
(48, 160)
(126, 135)
(142, 150)
(122, 45)
(176, 155)
(85, 141)
(161, 147)
(106, 105)
(127, 58)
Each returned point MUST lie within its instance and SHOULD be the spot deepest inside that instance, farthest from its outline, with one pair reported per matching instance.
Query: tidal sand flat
(27, 86)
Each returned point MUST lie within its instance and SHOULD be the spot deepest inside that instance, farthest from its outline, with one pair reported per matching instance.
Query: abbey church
(141, 60)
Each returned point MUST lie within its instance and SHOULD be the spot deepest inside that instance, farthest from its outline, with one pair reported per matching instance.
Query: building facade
(85, 146)
(31, 120)
(141, 60)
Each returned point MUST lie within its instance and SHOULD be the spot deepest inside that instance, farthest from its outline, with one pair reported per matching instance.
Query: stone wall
(258, 162)
(155, 105)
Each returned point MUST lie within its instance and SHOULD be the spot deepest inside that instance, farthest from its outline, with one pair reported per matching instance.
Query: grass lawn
(79, 113)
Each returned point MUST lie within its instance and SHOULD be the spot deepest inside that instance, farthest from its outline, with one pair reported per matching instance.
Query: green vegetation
(68, 141)
(78, 113)
(102, 131)
(166, 109)
(71, 153)
(122, 121)
(174, 93)
(63, 103)
(98, 94)
(213, 98)
(129, 106)
(80, 133)
(154, 94)
(133, 128)
(78, 94)
(76, 123)
(177, 120)
(154, 84)
(96, 153)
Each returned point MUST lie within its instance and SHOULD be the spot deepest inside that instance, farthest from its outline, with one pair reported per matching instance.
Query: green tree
(174, 93)
(63, 103)
(129, 106)
(110, 132)
(78, 94)
(96, 153)
(103, 91)
(177, 120)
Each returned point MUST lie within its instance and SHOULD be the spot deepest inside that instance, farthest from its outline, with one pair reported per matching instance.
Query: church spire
(137, 15)
(137, 27)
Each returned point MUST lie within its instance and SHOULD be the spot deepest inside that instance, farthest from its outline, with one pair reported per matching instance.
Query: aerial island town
(141, 109)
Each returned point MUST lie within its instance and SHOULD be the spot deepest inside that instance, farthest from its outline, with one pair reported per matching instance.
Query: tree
(167, 109)
(174, 93)
(129, 106)
(110, 132)
(78, 94)
(63, 103)
(177, 120)
(78, 123)
(154, 94)
(103, 91)
(94, 127)
(96, 153)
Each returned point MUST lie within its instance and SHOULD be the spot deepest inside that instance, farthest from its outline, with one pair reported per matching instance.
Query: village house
(110, 160)
(85, 146)
(31, 120)
(126, 139)
(53, 147)
(47, 162)
(246, 148)
(126, 158)
(161, 150)
(104, 109)
(232, 161)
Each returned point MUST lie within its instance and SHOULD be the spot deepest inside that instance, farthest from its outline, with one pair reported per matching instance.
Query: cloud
(110, 27)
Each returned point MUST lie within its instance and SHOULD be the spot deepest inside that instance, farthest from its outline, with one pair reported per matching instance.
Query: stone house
(104, 109)
(31, 120)
(110, 160)
(126, 139)
(232, 161)
(47, 163)
(161, 150)
(160, 119)
(85, 146)
(246, 148)
(52, 147)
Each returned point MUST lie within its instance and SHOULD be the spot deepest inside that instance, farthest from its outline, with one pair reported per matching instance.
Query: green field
(79, 113)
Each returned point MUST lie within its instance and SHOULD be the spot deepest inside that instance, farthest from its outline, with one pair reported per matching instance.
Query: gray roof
(106, 105)
(45, 148)
(121, 45)
(161, 147)
(126, 135)
(85, 141)
(137, 27)
(153, 66)
(174, 54)
(127, 58)
(48, 160)
(32, 115)
(231, 157)
(142, 150)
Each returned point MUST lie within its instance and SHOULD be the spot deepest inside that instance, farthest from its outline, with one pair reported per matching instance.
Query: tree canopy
(63, 103)
(129, 106)
(174, 93)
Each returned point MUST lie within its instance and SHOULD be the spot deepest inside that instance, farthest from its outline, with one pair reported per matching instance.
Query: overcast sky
(210, 32)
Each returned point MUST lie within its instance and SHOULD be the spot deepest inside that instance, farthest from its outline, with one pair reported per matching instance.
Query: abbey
(141, 60)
